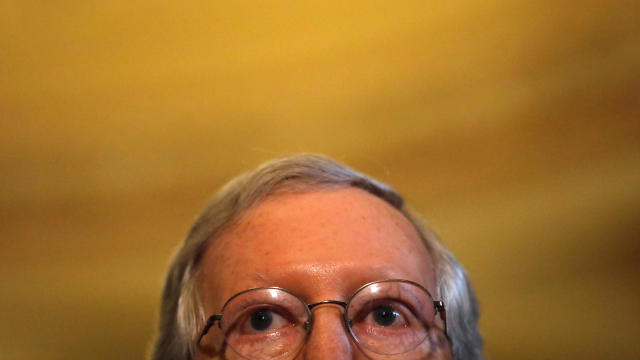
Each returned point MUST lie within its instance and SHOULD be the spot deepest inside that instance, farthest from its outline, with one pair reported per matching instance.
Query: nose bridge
(329, 339)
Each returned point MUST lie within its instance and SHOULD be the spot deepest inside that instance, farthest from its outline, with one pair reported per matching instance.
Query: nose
(328, 339)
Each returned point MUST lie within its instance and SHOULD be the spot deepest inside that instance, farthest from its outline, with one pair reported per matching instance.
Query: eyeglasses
(386, 319)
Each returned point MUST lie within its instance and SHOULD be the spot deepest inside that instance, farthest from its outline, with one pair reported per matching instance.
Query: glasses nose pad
(347, 323)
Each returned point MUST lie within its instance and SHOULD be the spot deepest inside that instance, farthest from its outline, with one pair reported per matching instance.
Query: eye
(261, 320)
(390, 315)
(385, 315)
(264, 320)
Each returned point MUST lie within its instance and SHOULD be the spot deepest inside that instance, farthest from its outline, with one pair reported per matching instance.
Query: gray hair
(181, 313)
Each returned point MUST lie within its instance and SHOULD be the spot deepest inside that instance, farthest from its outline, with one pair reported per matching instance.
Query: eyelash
(244, 320)
(403, 310)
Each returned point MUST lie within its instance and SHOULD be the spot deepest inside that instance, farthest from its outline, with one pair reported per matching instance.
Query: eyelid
(244, 304)
(243, 318)
(398, 305)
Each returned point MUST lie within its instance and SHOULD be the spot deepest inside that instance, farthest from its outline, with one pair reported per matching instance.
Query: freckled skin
(321, 245)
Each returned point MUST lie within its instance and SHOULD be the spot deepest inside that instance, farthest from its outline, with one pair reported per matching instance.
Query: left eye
(261, 320)
(386, 316)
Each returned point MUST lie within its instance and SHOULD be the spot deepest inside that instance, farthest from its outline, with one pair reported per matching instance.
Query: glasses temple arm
(212, 319)
(439, 305)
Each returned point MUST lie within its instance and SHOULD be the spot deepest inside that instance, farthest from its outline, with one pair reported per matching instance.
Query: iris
(384, 315)
(261, 320)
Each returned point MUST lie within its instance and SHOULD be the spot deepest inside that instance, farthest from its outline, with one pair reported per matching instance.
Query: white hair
(181, 313)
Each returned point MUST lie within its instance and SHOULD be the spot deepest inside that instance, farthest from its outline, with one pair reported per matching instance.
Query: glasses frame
(438, 305)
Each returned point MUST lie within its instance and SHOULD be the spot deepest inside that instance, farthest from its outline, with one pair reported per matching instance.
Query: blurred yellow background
(513, 126)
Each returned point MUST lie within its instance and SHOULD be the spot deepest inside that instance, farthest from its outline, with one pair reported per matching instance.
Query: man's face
(321, 245)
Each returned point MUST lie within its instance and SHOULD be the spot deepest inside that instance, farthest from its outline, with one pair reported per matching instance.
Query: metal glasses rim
(438, 304)
(358, 290)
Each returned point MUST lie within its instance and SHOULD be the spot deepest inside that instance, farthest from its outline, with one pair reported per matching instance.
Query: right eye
(264, 320)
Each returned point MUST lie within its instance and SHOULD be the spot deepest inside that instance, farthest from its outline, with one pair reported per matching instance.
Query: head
(320, 230)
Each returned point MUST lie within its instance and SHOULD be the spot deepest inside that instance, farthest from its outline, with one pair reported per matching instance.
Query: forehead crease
(336, 281)
(325, 272)
(262, 250)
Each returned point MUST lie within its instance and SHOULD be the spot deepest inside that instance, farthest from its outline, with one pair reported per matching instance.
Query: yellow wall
(513, 126)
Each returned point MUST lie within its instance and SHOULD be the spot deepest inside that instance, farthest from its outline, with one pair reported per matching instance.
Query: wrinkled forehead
(317, 237)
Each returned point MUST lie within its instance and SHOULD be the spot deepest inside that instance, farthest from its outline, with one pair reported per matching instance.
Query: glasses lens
(264, 324)
(392, 317)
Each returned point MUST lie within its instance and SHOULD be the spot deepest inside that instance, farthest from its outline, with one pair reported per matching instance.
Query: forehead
(319, 243)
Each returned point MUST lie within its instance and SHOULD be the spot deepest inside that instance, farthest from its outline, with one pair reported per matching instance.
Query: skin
(322, 245)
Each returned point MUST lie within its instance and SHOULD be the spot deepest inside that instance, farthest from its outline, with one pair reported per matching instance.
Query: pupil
(261, 320)
(384, 315)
